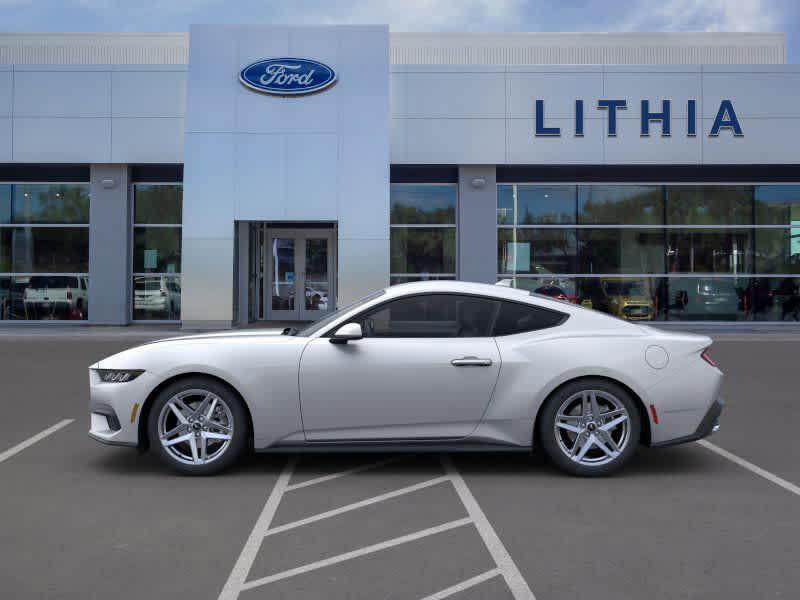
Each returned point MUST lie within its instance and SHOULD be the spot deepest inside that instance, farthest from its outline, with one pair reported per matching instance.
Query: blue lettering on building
(726, 118)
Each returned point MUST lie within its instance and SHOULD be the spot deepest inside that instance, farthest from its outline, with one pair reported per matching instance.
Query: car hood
(161, 355)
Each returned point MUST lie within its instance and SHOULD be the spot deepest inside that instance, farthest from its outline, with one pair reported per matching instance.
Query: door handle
(471, 361)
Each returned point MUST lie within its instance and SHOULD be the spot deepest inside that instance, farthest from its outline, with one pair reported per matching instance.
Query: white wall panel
(6, 87)
(62, 93)
(455, 141)
(765, 141)
(629, 148)
(753, 94)
(397, 141)
(455, 95)
(637, 86)
(363, 267)
(369, 216)
(148, 93)
(260, 177)
(524, 147)
(147, 140)
(211, 89)
(79, 140)
(5, 139)
(311, 177)
(558, 90)
(209, 182)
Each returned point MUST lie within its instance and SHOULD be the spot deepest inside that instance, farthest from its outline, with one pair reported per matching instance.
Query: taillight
(707, 357)
(561, 297)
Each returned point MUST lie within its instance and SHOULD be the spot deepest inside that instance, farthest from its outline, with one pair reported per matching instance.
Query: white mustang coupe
(439, 366)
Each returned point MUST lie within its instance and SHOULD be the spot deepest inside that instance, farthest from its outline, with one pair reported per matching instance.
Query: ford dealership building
(244, 173)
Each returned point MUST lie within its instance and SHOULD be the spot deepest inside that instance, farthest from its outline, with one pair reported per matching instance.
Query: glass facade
(44, 251)
(423, 231)
(156, 286)
(656, 252)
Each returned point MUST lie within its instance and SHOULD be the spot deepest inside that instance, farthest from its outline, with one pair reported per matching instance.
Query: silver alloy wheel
(592, 427)
(195, 427)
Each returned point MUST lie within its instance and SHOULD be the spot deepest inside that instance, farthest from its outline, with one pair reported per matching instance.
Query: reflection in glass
(709, 205)
(283, 274)
(156, 297)
(708, 299)
(709, 251)
(283, 296)
(777, 205)
(44, 249)
(317, 288)
(629, 298)
(775, 299)
(545, 204)
(620, 204)
(413, 204)
(157, 249)
(621, 251)
(44, 203)
(158, 204)
(397, 279)
(778, 250)
(44, 298)
(560, 288)
(538, 251)
(423, 250)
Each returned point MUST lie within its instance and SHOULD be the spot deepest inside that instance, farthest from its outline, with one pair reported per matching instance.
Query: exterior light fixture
(478, 182)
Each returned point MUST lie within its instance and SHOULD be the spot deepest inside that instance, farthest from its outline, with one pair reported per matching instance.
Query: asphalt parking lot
(82, 520)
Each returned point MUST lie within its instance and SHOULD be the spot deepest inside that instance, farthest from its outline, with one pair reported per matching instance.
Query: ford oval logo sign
(287, 76)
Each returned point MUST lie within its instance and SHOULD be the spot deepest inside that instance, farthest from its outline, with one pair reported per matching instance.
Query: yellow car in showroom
(629, 299)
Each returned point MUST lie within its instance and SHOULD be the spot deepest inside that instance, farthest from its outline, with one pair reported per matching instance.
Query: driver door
(425, 369)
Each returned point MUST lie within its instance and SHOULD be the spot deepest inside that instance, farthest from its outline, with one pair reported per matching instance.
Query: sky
(414, 15)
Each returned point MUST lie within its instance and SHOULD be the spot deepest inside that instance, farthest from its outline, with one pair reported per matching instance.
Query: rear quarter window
(519, 318)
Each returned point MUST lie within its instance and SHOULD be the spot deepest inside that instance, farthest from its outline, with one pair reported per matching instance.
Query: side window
(519, 318)
(431, 316)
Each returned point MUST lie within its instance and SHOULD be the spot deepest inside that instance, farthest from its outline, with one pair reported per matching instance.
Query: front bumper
(707, 426)
(115, 408)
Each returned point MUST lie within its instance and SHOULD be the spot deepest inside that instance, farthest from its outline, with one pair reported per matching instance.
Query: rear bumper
(707, 426)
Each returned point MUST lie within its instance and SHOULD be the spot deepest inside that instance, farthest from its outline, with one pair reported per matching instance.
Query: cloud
(414, 15)
(705, 15)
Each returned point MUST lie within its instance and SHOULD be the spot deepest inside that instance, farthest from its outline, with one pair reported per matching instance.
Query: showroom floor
(82, 520)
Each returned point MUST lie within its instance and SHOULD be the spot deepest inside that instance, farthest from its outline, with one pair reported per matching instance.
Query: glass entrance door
(300, 265)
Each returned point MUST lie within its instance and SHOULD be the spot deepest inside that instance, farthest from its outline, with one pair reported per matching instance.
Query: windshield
(324, 322)
(626, 288)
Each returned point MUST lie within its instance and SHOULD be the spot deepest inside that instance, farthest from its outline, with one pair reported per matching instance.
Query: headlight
(118, 375)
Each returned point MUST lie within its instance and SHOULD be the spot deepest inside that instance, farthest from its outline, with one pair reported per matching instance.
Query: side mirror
(346, 333)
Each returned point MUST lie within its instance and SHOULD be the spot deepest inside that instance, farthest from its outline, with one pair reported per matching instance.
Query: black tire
(556, 447)
(237, 444)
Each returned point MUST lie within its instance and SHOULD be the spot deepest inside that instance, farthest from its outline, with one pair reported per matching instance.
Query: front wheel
(198, 426)
(590, 427)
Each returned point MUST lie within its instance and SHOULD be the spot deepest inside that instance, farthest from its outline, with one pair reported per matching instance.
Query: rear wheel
(590, 427)
(198, 426)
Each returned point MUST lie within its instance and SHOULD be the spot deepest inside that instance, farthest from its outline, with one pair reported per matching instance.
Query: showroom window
(423, 231)
(655, 252)
(44, 251)
(156, 286)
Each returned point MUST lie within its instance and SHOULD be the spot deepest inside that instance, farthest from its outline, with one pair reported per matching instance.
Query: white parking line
(242, 567)
(516, 582)
(356, 505)
(417, 535)
(33, 439)
(332, 476)
(464, 585)
(788, 486)
(505, 566)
